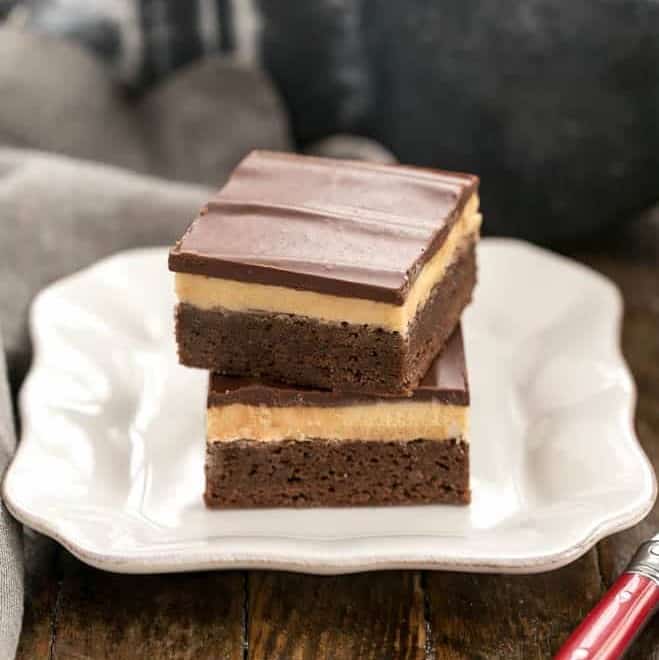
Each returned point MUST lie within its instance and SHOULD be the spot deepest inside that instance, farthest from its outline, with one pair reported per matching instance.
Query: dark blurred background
(554, 103)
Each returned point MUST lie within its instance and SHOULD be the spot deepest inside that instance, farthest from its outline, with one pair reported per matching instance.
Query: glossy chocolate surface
(332, 226)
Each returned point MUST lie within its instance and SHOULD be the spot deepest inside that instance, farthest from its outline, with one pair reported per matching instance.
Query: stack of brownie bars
(324, 298)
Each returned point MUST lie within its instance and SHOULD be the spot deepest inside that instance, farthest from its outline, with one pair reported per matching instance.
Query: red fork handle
(609, 629)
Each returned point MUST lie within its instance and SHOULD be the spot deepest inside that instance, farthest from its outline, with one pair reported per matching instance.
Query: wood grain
(509, 617)
(301, 617)
(193, 616)
(41, 589)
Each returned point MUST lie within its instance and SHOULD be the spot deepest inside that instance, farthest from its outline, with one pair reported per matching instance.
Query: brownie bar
(327, 273)
(271, 445)
(318, 472)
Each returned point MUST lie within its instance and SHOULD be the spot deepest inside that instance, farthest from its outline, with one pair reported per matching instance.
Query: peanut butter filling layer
(211, 293)
(383, 420)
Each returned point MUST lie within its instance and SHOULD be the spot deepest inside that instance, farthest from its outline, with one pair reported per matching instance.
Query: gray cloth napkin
(59, 215)
(11, 551)
(193, 127)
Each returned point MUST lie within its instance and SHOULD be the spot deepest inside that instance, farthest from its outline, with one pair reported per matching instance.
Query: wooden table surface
(76, 612)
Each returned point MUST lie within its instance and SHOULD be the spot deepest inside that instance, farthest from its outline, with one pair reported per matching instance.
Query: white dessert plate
(111, 458)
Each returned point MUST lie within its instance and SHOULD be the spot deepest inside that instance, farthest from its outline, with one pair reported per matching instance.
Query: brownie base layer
(290, 473)
(340, 356)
